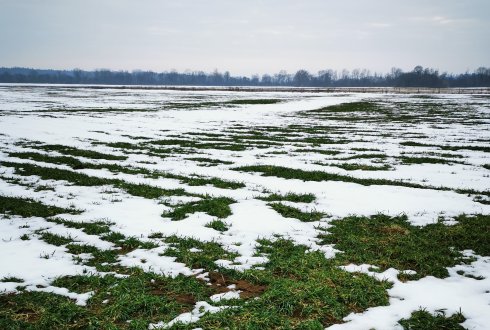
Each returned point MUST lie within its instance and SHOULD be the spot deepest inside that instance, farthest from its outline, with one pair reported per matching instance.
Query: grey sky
(246, 36)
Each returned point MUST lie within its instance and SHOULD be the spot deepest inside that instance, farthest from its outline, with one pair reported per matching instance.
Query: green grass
(217, 225)
(80, 179)
(446, 147)
(205, 258)
(387, 242)
(209, 161)
(290, 197)
(147, 191)
(350, 107)
(76, 164)
(90, 228)
(11, 279)
(199, 144)
(45, 173)
(292, 212)
(216, 104)
(291, 173)
(78, 152)
(55, 239)
(254, 101)
(423, 320)
(318, 151)
(26, 207)
(214, 206)
(216, 182)
(84, 248)
(37, 310)
(365, 156)
(132, 303)
(106, 260)
(61, 160)
(424, 160)
(297, 288)
(218, 206)
(362, 167)
(127, 243)
(300, 290)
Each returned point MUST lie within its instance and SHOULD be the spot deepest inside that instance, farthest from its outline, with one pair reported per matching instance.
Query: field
(148, 209)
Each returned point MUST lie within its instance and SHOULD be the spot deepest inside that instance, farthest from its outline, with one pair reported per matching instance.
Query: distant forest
(418, 77)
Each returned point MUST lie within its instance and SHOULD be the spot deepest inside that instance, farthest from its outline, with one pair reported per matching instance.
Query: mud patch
(220, 284)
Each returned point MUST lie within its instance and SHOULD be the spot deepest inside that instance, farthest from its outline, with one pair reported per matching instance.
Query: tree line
(418, 77)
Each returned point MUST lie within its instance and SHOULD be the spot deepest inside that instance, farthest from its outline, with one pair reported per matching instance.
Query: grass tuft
(290, 197)
(424, 320)
(214, 206)
(292, 212)
(26, 207)
(217, 225)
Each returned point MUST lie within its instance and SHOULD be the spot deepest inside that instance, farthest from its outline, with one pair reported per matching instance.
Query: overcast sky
(245, 36)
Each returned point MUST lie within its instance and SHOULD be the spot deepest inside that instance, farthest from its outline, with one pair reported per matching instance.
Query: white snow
(452, 294)
(199, 310)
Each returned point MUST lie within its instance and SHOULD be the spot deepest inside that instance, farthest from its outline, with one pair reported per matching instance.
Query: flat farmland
(182, 209)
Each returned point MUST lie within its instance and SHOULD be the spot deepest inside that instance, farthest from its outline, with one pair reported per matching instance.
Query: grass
(350, 107)
(387, 242)
(423, 320)
(292, 212)
(424, 160)
(295, 289)
(362, 167)
(254, 101)
(76, 164)
(218, 206)
(217, 225)
(46, 173)
(127, 243)
(106, 260)
(216, 182)
(61, 160)
(84, 248)
(11, 279)
(205, 255)
(90, 228)
(300, 290)
(215, 104)
(80, 179)
(26, 207)
(318, 151)
(131, 303)
(365, 156)
(291, 173)
(66, 150)
(210, 161)
(446, 147)
(182, 143)
(55, 239)
(214, 206)
(290, 197)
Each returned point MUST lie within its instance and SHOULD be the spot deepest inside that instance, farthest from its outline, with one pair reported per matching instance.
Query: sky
(245, 36)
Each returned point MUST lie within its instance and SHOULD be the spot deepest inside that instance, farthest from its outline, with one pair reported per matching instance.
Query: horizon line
(361, 69)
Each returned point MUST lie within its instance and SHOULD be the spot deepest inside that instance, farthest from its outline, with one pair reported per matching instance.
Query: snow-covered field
(227, 165)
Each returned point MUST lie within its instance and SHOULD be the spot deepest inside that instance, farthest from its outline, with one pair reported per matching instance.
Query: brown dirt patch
(220, 283)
